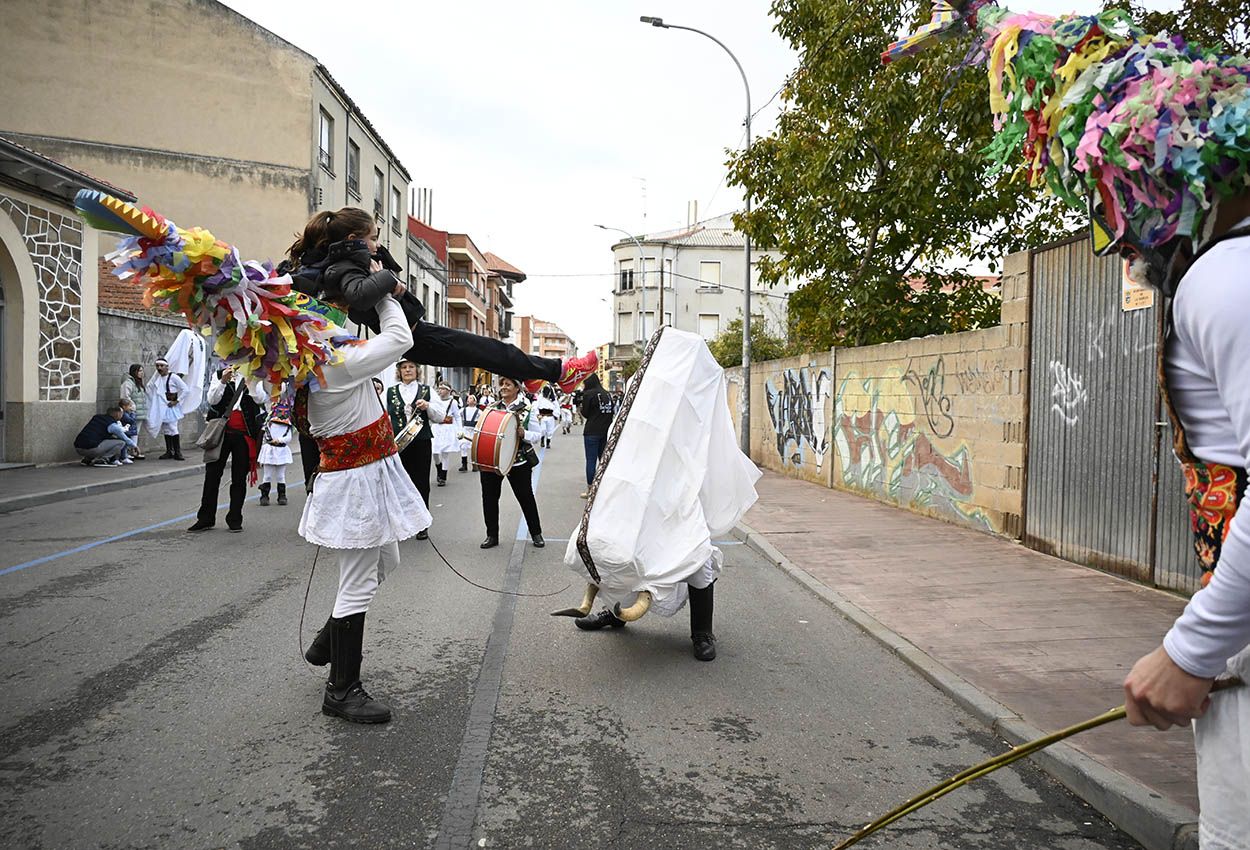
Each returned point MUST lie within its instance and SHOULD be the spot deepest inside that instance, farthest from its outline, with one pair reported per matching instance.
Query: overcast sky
(533, 121)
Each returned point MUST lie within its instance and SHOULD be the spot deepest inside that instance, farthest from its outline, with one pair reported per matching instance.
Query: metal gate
(1103, 488)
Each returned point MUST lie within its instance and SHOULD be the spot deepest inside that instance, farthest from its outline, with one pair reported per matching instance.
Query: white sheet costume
(468, 423)
(446, 445)
(545, 412)
(675, 480)
(368, 509)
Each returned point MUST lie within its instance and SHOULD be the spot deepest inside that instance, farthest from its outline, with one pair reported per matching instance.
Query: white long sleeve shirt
(1208, 366)
(348, 402)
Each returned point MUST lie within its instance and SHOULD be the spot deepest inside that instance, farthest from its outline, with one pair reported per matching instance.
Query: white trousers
(446, 459)
(271, 472)
(548, 425)
(1222, 738)
(168, 429)
(360, 573)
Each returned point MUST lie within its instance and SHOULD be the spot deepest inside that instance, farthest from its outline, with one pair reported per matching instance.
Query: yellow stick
(992, 764)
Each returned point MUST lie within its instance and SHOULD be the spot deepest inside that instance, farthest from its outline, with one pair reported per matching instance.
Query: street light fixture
(746, 286)
(642, 275)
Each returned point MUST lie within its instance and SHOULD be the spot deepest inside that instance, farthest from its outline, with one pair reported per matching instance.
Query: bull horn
(635, 611)
(588, 602)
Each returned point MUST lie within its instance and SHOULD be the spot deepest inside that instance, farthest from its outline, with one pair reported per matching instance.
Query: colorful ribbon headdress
(1145, 131)
(262, 328)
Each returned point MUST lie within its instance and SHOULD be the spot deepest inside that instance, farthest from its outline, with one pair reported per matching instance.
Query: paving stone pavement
(1050, 640)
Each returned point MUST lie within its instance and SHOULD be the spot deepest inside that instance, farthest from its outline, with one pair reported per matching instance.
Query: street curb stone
(31, 500)
(1155, 822)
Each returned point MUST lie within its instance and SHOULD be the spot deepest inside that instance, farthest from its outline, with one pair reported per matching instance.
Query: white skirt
(1222, 738)
(274, 455)
(446, 439)
(364, 507)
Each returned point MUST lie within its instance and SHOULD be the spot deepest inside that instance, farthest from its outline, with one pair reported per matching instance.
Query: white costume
(545, 409)
(468, 423)
(188, 357)
(1210, 387)
(275, 452)
(675, 480)
(163, 416)
(368, 509)
(446, 447)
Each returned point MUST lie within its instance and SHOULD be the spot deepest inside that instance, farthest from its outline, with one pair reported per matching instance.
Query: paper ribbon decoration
(261, 327)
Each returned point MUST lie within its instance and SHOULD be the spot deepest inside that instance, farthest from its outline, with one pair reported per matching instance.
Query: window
(325, 142)
(624, 328)
(667, 274)
(397, 203)
(709, 325)
(353, 168)
(648, 324)
(627, 275)
(649, 271)
(709, 275)
(379, 194)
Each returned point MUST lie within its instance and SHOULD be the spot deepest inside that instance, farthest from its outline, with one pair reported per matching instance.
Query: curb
(31, 500)
(1157, 823)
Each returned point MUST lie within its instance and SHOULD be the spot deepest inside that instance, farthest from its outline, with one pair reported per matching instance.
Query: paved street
(155, 697)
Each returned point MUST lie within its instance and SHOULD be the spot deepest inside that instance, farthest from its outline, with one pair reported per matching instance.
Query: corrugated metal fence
(1103, 487)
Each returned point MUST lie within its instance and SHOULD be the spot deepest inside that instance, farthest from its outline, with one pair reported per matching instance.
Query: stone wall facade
(54, 243)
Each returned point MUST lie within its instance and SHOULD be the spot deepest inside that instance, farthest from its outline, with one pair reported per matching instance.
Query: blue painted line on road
(86, 546)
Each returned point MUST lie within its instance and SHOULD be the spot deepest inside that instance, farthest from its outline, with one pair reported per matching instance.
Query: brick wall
(936, 425)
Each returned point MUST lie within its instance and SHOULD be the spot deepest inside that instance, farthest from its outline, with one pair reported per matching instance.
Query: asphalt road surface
(155, 697)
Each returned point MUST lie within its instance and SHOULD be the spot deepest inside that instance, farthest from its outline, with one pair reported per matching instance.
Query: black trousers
(416, 461)
(435, 345)
(309, 456)
(234, 449)
(521, 480)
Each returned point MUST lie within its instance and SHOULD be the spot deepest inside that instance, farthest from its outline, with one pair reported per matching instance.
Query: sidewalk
(1026, 642)
(30, 486)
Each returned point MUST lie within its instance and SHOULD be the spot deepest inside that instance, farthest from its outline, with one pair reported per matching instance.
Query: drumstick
(992, 764)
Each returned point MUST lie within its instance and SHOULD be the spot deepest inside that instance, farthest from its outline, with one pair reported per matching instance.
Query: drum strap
(614, 435)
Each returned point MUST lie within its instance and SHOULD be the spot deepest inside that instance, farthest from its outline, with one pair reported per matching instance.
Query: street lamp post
(746, 286)
(642, 275)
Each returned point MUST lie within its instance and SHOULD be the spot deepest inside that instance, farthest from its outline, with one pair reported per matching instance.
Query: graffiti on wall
(796, 406)
(886, 444)
(1068, 394)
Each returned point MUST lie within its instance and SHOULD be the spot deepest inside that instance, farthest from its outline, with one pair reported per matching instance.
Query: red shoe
(576, 370)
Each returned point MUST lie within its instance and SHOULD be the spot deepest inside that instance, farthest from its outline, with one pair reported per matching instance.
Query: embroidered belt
(1213, 491)
(357, 448)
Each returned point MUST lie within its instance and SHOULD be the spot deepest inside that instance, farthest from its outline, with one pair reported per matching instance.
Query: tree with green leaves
(726, 346)
(874, 178)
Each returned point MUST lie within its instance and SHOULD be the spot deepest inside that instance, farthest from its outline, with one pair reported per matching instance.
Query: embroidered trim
(357, 448)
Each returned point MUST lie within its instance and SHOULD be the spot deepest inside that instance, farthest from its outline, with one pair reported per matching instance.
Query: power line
(671, 274)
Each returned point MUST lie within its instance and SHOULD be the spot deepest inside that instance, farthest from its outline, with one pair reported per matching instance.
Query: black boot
(464, 464)
(264, 494)
(177, 447)
(169, 449)
(281, 494)
(345, 697)
(701, 622)
(318, 653)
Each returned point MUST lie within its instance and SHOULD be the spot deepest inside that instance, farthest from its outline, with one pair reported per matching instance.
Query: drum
(495, 441)
(409, 432)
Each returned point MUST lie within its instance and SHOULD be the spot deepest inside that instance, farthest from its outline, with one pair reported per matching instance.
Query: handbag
(215, 429)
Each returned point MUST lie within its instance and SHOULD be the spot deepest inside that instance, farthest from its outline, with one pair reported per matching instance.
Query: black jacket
(94, 432)
(596, 408)
(341, 275)
(253, 413)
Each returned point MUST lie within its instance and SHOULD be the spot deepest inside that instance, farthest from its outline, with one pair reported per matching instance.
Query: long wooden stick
(992, 764)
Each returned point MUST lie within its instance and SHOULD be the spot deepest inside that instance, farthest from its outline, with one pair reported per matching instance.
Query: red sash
(357, 448)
